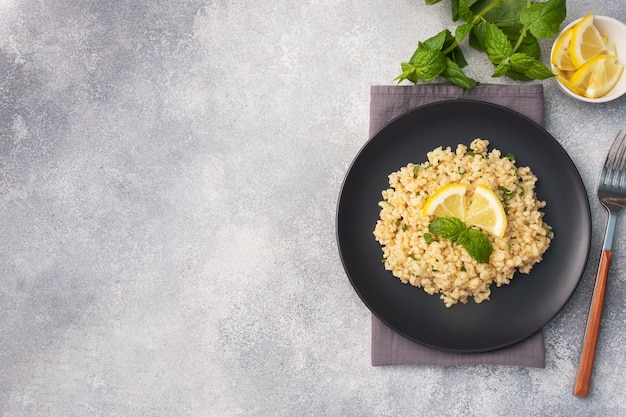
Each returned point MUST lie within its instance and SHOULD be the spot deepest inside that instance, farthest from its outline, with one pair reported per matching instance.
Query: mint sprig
(506, 30)
(475, 242)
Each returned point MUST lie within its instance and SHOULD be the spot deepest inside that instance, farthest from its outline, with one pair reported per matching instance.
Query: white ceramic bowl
(616, 31)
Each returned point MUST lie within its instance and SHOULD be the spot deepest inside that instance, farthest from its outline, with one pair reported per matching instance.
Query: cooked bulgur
(438, 265)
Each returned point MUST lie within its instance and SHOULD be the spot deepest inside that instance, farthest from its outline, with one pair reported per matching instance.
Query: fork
(612, 195)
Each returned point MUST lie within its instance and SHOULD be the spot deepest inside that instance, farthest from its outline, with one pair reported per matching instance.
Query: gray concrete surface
(168, 179)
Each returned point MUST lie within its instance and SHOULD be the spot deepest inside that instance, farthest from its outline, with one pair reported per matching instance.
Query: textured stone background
(169, 172)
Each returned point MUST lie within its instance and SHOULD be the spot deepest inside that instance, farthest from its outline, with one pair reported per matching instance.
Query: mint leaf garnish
(447, 227)
(475, 242)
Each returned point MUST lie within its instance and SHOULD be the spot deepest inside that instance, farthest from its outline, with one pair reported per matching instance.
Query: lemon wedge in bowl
(574, 88)
(561, 57)
(581, 77)
(592, 34)
(597, 77)
(586, 42)
(484, 211)
(604, 77)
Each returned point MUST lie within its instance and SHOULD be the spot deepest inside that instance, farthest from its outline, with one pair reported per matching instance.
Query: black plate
(515, 311)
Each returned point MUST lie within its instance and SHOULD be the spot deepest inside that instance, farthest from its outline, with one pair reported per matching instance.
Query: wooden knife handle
(581, 389)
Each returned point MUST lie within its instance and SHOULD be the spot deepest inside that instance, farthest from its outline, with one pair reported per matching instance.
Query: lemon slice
(605, 75)
(561, 55)
(567, 83)
(586, 41)
(580, 78)
(486, 212)
(564, 74)
(448, 200)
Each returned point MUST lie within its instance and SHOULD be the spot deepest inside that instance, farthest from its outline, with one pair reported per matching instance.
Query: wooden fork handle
(581, 389)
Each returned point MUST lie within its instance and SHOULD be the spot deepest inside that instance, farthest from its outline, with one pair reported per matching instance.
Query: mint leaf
(447, 227)
(457, 56)
(455, 10)
(432, 1)
(452, 45)
(408, 73)
(529, 66)
(502, 68)
(474, 5)
(461, 31)
(507, 14)
(530, 46)
(434, 43)
(514, 75)
(477, 36)
(477, 244)
(528, 43)
(464, 12)
(496, 43)
(538, 71)
(543, 19)
(428, 63)
(521, 62)
(455, 75)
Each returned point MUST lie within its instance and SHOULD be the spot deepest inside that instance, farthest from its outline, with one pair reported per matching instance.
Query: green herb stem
(477, 20)
(453, 45)
(522, 35)
(487, 9)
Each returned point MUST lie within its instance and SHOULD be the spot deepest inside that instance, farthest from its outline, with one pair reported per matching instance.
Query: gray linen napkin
(387, 102)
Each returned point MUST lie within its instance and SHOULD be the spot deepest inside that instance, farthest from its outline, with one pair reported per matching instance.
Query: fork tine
(622, 153)
(613, 171)
(620, 161)
(614, 154)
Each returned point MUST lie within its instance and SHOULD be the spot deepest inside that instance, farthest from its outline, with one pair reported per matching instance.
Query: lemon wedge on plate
(586, 41)
(448, 200)
(484, 211)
